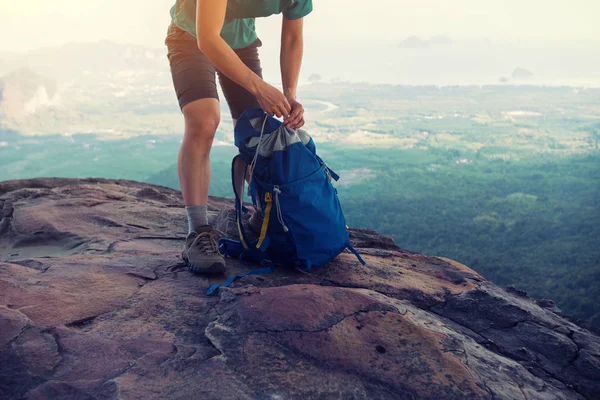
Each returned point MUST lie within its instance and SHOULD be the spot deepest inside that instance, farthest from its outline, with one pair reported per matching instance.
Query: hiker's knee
(201, 122)
(200, 134)
(201, 129)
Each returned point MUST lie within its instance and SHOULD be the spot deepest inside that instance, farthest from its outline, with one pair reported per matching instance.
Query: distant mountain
(103, 88)
(74, 60)
(414, 42)
(521, 73)
(23, 93)
(112, 90)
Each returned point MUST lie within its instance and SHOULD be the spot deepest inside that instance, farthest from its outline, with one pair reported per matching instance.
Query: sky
(31, 24)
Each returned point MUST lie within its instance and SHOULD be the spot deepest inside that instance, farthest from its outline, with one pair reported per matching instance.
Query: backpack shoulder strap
(239, 168)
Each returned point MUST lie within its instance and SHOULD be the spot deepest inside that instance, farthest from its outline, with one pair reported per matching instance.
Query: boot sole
(214, 268)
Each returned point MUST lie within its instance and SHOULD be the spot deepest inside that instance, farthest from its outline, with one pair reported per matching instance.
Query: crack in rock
(345, 317)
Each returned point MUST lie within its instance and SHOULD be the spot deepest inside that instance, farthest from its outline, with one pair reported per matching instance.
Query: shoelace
(207, 241)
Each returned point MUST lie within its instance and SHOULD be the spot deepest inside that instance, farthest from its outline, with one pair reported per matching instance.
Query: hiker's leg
(200, 251)
(201, 122)
(195, 85)
(194, 81)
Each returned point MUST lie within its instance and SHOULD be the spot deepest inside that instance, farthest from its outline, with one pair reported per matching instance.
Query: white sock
(196, 216)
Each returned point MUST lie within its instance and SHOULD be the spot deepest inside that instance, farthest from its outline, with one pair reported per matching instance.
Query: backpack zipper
(278, 207)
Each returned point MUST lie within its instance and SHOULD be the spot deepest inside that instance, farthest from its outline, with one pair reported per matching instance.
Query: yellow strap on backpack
(265, 224)
(239, 226)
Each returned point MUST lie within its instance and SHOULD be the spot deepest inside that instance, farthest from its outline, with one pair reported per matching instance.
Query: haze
(35, 23)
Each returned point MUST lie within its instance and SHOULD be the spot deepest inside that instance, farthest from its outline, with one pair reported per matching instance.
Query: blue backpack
(290, 185)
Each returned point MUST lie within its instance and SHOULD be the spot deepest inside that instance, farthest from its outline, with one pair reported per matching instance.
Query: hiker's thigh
(193, 74)
(238, 98)
(195, 84)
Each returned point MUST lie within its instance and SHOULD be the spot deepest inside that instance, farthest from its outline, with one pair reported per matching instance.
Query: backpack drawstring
(253, 163)
(275, 188)
(278, 207)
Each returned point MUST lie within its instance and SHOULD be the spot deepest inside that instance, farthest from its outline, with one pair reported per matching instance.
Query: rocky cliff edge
(95, 304)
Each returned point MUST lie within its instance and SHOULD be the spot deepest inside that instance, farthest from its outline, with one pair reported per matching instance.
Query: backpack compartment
(308, 210)
(306, 225)
(278, 243)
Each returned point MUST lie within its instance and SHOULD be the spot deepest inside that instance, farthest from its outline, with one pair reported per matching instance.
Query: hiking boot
(201, 251)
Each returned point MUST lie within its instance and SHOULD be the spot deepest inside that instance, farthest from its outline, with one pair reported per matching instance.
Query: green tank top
(238, 29)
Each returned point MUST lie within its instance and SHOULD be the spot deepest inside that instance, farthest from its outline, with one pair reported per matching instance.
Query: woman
(208, 36)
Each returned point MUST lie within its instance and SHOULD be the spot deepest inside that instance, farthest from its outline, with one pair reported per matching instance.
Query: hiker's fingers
(272, 101)
(284, 111)
(298, 124)
(296, 116)
(275, 111)
(287, 107)
(292, 121)
(281, 111)
(297, 111)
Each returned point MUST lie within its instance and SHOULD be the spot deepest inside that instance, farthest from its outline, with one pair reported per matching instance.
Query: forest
(503, 179)
(533, 224)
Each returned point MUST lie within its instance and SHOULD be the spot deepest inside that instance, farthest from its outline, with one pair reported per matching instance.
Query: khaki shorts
(194, 75)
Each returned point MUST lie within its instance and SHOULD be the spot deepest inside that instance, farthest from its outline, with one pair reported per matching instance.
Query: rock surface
(95, 304)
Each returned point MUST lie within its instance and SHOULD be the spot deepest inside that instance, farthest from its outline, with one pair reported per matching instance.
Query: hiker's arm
(210, 16)
(292, 44)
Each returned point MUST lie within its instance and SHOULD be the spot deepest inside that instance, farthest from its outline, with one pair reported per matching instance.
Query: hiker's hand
(272, 101)
(296, 118)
